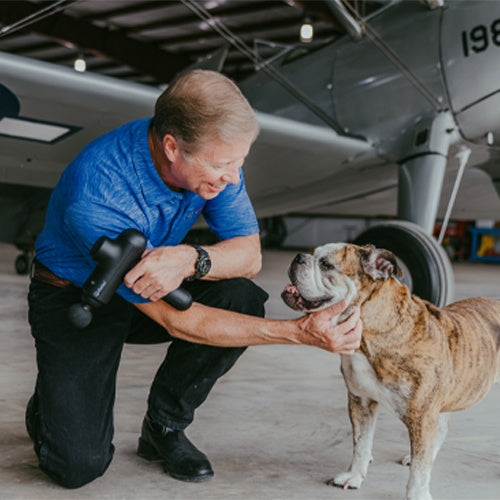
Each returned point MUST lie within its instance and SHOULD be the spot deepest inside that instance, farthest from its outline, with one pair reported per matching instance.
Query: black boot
(181, 459)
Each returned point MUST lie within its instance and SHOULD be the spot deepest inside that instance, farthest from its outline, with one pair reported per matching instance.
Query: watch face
(204, 265)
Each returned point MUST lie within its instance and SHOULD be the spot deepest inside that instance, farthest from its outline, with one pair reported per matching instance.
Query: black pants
(72, 407)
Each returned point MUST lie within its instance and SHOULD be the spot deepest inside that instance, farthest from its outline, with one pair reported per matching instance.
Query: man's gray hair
(200, 106)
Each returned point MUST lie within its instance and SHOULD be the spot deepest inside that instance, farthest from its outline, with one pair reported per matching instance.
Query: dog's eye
(325, 264)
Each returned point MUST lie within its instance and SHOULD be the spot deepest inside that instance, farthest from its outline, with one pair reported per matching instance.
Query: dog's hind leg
(427, 433)
(441, 431)
(363, 415)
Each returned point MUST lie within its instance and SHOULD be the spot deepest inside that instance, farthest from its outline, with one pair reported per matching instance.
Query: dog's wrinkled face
(333, 273)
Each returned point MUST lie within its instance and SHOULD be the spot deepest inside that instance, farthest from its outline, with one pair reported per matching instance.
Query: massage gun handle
(180, 299)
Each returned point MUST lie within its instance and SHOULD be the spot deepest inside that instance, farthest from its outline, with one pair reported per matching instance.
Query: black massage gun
(114, 260)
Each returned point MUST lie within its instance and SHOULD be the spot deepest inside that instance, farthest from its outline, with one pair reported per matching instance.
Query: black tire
(22, 264)
(426, 268)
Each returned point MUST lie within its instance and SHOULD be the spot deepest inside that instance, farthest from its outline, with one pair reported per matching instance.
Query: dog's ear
(379, 263)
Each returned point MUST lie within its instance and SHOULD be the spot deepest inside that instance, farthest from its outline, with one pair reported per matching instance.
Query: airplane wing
(294, 165)
(50, 112)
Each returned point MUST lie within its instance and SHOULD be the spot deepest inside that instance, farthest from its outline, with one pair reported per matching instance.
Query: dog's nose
(300, 258)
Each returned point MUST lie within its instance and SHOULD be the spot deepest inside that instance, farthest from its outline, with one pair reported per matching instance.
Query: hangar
(369, 120)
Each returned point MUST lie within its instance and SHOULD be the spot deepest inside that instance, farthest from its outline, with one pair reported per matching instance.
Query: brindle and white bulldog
(420, 360)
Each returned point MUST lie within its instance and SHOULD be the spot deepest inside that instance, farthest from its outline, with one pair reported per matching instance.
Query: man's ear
(171, 147)
(379, 263)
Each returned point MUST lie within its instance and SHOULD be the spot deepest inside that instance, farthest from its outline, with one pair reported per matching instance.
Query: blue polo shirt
(113, 185)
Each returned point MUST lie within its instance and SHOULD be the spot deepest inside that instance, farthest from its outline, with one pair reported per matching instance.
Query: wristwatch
(203, 264)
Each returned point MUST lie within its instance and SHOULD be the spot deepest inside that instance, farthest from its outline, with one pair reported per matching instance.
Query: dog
(419, 360)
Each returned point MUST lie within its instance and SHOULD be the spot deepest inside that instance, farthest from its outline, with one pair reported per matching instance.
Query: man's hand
(161, 270)
(320, 330)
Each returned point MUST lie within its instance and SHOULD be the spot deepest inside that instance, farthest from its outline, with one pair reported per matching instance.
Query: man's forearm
(207, 325)
(237, 257)
(218, 327)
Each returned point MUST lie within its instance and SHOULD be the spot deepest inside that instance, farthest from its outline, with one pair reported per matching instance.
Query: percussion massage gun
(114, 260)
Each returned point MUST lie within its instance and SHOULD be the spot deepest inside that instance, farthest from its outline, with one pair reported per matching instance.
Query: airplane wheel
(426, 268)
(22, 264)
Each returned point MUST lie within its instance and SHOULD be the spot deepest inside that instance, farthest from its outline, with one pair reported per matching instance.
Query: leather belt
(44, 274)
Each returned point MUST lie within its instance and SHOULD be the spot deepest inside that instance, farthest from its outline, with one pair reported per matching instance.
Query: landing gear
(426, 268)
(23, 263)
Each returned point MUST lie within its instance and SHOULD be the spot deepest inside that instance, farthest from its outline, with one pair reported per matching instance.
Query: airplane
(378, 122)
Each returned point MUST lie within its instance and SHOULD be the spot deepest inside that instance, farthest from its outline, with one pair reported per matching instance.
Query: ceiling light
(306, 32)
(80, 64)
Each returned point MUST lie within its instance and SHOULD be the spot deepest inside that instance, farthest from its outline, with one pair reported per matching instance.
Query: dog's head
(335, 272)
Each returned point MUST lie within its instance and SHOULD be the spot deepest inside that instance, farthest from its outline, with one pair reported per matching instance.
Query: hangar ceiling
(150, 41)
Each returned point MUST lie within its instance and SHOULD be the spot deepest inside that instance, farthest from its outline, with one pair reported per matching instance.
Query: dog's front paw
(406, 460)
(419, 495)
(347, 480)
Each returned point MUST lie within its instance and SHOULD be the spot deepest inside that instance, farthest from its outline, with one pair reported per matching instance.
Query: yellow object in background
(487, 245)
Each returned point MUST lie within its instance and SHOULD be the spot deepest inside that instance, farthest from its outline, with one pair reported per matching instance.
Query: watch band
(202, 265)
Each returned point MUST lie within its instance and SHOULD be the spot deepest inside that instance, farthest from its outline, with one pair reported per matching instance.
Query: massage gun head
(80, 315)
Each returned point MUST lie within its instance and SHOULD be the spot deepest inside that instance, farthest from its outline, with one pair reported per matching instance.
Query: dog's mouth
(293, 298)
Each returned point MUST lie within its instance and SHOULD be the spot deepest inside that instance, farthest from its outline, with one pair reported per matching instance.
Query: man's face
(209, 170)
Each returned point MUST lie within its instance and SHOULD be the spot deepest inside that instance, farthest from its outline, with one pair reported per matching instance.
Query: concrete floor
(276, 427)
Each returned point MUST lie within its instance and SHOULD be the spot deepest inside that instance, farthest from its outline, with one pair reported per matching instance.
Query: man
(156, 176)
